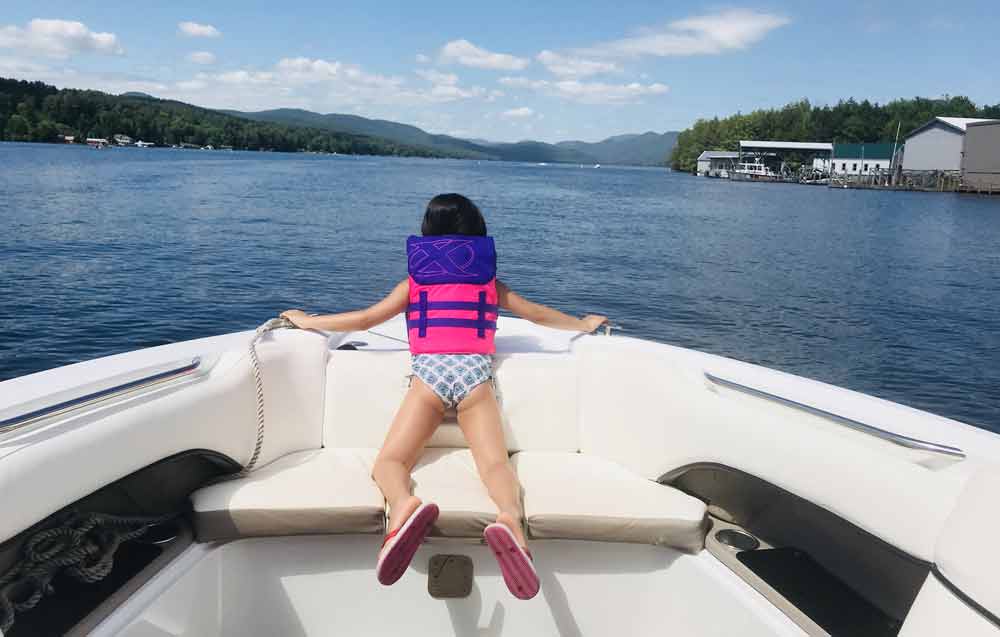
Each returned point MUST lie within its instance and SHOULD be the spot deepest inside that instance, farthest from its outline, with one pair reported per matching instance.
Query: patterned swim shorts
(452, 376)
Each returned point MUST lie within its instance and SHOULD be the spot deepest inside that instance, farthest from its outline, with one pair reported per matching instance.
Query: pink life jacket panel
(453, 294)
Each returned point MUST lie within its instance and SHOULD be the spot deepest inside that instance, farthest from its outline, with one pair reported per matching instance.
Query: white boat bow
(666, 491)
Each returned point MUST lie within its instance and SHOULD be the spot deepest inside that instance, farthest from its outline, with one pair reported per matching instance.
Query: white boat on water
(753, 171)
(667, 492)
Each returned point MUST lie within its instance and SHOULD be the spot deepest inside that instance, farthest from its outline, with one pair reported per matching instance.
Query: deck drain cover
(449, 576)
(737, 539)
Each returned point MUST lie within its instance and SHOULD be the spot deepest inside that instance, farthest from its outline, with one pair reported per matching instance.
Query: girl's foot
(402, 543)
(401, 512)
(514, 559)
(514, 524)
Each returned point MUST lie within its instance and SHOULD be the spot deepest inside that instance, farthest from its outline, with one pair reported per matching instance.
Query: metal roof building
(751, 145)
(714, 160)
(981, 156)
(937, 145)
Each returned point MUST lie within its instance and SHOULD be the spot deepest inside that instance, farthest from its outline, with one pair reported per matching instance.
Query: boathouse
(937, 145)
(861, 159)
(712, 162)
(981, 156)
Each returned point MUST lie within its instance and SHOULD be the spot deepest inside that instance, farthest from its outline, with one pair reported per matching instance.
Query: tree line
(849, 121)
(38, 112)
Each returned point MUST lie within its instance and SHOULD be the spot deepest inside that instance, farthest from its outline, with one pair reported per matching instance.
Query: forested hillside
(37, 112)
(847, 122)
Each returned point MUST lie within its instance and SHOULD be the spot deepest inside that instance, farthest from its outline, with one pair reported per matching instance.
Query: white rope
(258, 382)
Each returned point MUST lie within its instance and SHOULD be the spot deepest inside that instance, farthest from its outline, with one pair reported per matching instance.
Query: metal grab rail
(78, 402)
(888, 436)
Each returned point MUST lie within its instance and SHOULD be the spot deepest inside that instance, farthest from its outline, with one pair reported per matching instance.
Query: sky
(507, 71)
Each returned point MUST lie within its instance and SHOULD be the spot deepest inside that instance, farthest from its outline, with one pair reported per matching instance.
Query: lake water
(892, 294)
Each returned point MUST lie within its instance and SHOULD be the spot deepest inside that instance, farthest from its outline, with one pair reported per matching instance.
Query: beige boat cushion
(448, 477)
(537, 392)
(582, 497)
(317, 491)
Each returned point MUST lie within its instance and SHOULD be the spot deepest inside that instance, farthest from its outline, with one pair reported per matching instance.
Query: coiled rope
(82, 545)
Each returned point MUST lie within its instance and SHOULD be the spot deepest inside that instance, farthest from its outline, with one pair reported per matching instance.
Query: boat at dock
(666, 490)
(755, 170)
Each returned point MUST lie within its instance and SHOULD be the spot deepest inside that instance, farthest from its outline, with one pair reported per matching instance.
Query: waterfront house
(937, 145)
(712, 162)
(981, 156)
(861, 159)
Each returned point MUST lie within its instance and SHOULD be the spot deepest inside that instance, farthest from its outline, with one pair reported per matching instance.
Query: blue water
(893, 294)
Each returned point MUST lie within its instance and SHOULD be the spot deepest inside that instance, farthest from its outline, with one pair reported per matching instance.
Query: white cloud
(708, 34)
(518, 113)
(201, 57)
(437, 77)
(468, 54)
(588, 92)
(320, 84)
(422, 59)
(57, 39)
(196, 30)
(565, 66)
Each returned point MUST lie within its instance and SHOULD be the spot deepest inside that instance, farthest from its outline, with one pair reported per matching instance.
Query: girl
(451, 301)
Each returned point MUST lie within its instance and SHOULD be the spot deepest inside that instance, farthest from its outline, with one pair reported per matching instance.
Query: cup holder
(736, 539)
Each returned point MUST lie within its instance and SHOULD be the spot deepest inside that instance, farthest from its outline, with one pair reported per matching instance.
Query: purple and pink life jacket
(453, 294)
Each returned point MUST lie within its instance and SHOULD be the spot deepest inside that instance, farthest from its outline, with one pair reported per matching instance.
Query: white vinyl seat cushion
(307, 492)
(582, 497)
(448, 477)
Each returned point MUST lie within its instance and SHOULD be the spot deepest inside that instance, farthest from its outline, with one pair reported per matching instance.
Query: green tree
(18, 129)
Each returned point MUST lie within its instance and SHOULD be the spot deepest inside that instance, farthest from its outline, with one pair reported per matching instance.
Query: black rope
(81, 545)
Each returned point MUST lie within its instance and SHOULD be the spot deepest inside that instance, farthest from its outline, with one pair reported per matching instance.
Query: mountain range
(646, 149)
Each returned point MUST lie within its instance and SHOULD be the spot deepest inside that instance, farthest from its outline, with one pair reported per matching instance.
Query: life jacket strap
(423, 323)
(422, 316)
(457, 305)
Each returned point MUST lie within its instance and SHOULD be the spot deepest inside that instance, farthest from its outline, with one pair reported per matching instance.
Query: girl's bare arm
(390, 306)
(544, 315)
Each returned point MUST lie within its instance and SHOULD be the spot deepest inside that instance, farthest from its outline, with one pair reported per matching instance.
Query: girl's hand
(593, 321)
(298, 318)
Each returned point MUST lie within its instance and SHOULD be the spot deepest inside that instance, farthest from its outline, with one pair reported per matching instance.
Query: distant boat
(97, 142)
(753, 171)
(597, 165)
(142, 144)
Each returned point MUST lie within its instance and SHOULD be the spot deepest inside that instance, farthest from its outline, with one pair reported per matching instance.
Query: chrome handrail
(871, 430)
(78, 402)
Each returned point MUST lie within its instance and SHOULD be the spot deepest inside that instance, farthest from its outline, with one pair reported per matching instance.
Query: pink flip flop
(515, 561)
(399, 547)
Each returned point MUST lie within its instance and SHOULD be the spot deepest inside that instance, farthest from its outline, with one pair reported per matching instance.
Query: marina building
(713, 162)
(937, 145)
(861, 159)
(981, 156)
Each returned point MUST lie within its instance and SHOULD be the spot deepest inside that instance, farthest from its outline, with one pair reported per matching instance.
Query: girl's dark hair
(452, 213)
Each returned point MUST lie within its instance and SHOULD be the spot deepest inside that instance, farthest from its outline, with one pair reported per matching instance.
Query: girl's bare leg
(416, 420)
(479, 418)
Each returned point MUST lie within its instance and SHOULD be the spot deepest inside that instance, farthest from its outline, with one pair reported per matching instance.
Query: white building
(711, 162)
(937, 145)
(861, 159)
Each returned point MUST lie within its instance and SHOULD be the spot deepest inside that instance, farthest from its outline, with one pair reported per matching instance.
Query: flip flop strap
(390, 536)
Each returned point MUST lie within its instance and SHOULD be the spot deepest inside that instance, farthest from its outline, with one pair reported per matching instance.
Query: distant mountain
(645, 149)
(354, 124)
(138, 94)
